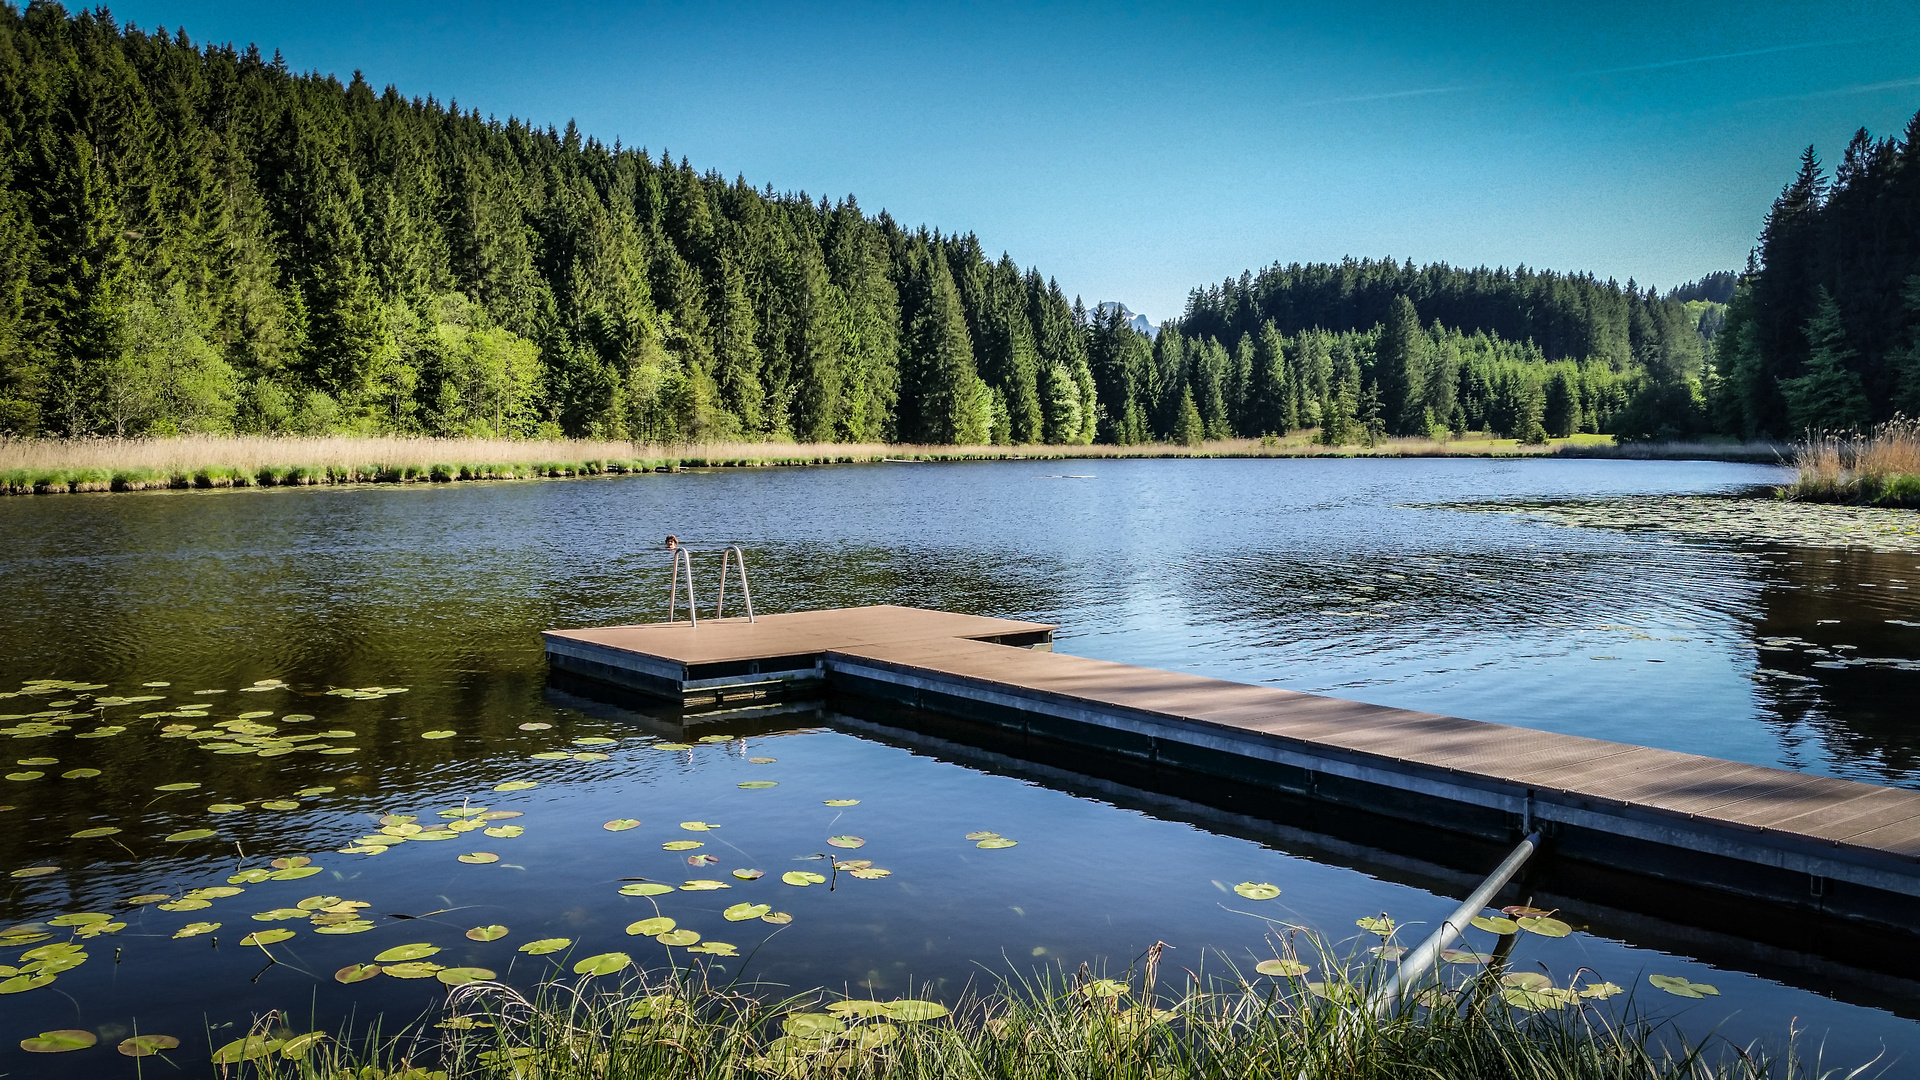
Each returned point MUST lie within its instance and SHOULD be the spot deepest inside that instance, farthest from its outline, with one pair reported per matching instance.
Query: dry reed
(1880, 468)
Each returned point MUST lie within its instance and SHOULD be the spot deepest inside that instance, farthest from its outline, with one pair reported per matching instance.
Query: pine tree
(1827, 396)
(1402, 368)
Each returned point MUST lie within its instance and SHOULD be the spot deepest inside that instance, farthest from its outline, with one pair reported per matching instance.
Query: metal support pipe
(726, 557)
(680, 557)
(1421, 960)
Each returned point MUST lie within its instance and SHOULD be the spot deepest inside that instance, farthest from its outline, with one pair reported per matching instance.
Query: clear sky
(1135, 152)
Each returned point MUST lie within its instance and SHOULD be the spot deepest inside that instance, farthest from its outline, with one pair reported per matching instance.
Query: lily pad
(606, 963)
(351, 926)
(147, 898)
(146, 1045)
(225, 808)
(749, 875)
(1257, 890)
(191, 834)
(30, 774)
(762, 760)
(280, 804)
(1679, 986)
(293, 873)
(535, 726)
(703, 885)
(846, 841)
(594, 740)
(487, 933)
(587, 755)
(59, 1042)
(184, 785)
(266, 937)
(870, 873)
(1383, 925)
(1284, 969)
(418, 950)
(621, 824)
(842, 802)
(196, 929)
(505, 832)
(858, 1007)
(812, 1025)
(441, 734)
(1496, 924)
(698, 826)
(659, 924)
(1464, 956)
(479, 857)
(673, 746)
(752, 785)
(96, 833)
(39, 761)
(34, 871)
(1604, 990)
(777, 918)
(516, 785)
(458, 976)
(79, 774)
(713, 948)
(682, 845)
(743, 912)
(914, 1011)
(996, 842)
(251, 1048)
(293, 1049)
(545, 946)
(1544, 926)
(983, 836)
(20, 984)
(417, 969)
(802, 877)
(645, 888)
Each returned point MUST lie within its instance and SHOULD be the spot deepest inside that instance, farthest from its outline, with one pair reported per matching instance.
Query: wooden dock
(1834, 846)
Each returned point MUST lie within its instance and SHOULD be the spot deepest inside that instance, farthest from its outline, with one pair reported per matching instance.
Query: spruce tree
(1826, 396)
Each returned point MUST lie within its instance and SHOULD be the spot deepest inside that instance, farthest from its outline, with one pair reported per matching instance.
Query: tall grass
(52, 466)
(1880, 468)
(1073, 1028)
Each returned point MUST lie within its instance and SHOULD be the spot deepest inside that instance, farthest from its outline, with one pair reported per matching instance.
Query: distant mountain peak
(1132, 318)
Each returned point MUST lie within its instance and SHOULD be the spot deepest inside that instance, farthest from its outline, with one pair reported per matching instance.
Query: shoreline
(46, 468)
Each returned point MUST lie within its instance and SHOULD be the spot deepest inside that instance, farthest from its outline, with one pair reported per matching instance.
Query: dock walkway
(1836, 846)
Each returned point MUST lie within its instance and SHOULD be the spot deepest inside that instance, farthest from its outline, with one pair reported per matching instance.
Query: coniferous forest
(196, 239)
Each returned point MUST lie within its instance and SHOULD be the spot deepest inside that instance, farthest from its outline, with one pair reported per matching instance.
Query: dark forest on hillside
(196, 239)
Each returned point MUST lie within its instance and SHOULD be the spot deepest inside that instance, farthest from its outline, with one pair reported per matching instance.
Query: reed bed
(57, 466)
(1059, 1028)
(1880, 468)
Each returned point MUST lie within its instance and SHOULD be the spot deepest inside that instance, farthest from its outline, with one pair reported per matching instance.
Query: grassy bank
(50, 467)
(1489, 1027)
(1881, 468)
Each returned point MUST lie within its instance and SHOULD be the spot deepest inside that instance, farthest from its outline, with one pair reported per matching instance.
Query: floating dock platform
(1837, 847)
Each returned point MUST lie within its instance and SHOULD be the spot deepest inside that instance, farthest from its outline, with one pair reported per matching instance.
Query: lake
(1443, 585)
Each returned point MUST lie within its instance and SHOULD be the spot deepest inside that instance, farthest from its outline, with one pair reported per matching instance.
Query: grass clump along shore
(1490, 1026)
(88, 465)
(1881, 468)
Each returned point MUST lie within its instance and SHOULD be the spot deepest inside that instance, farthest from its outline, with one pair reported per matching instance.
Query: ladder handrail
(681, 556)
(732, 553)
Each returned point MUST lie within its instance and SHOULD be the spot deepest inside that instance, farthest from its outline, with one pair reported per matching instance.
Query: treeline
(196, 239)
(1823, 331)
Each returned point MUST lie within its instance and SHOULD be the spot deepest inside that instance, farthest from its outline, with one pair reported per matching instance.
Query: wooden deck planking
(794, 634)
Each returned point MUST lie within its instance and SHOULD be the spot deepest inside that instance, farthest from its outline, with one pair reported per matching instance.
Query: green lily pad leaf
(351, 926)
(487, 933)
(217, 892)
(621, 824)
(682, 845)
(505, 832)
(246, 877)
(438, 734)
(843, 802)
(659, 924)
(1257, 890)
(479, 857)
(749, 875)
(354, 973)
(80, 774)
(1544, 926)
(645, 888)
(293, 873)
(517, 785)
(417, 969)
(703, 885)
(20, 984)
(280, 804)
(34, 871)
(1603, 990)
(713, 948)
(266, 937)
(550, 755)
(846, 841)
(914, 1011)
(1497, 924)
(30, 774)
(291, 862)
(146, 1045)
(1285, 969)
(79, 918)
(594, 740)
(812, 1025)
(870, 873)
(251, 1048)
(716, 738)
(753, 785)
(673, 746)
(184, 785)
(59, 1042)
(778, 918)
(606, 963)
(1382, 926)
(418, 950)
(196, 929)
(1464, 956)
(463, 811)
(545, 946)
(743, 912)
(457, 976)
(1680, 986)
(983, 836)
(295, 1048)
(535, 726)
(147, 898)
(858, 1007)
(225, 808)
(698, 826)
(39, 761)
(996, 842)
(1104, 988)
(191, 834)
(587, 755)
(96, 833)
(762, 760)
(802, 877)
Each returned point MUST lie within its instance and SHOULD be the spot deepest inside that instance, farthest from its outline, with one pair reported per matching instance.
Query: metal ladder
(731, 556)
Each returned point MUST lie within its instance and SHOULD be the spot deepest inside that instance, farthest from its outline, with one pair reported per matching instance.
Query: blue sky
(1135, 152)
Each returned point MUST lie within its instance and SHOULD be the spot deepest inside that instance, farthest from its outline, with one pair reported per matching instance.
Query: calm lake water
(1358, 578)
